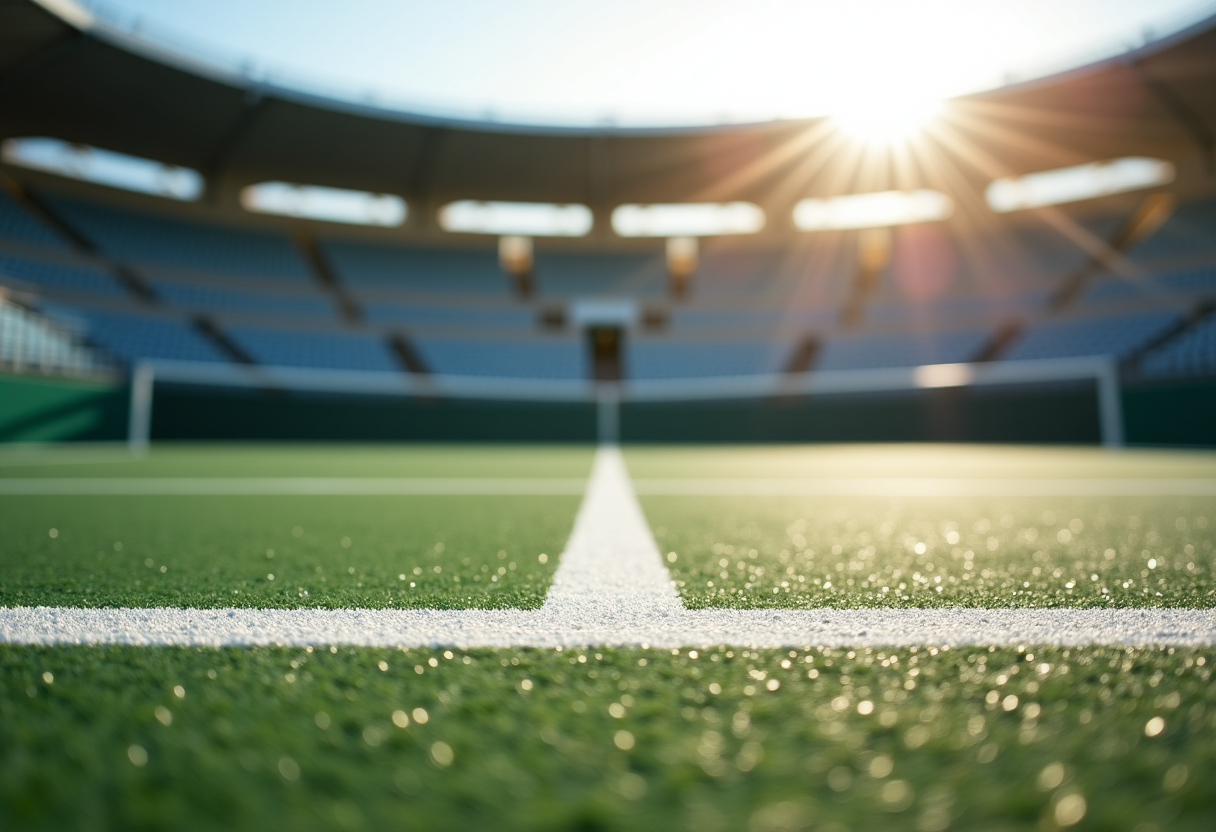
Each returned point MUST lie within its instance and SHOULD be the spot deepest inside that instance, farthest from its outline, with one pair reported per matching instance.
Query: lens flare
(883, 120)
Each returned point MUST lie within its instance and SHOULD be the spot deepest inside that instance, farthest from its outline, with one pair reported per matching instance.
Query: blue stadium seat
(664, 359)
(197, 246)
(1114, 336)
(131, 337)
(562, 358)
(693, 318)
(600, 275)
(83, 279)
(214, 299)
(1187, 233)
(741, 274)
(322, 350)
(520, 317)
(858, 352)
(955, 308)
(430, 271)
(1187, 282)
(18, 224)
(1191, 353)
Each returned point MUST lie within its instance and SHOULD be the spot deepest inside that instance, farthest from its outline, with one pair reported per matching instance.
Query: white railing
(608, 396)
(31, 343)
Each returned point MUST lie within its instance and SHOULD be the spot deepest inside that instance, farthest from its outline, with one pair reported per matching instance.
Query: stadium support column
(682, 255)
(515, 258)
(139, 417)
(873, 254)
(1110, 406)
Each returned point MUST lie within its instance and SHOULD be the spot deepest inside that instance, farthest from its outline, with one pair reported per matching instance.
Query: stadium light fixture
(103, 167)
(515, 254)
(521, 219)
(703, 219)
(1056, 187)
(876, 210)
(314, 202)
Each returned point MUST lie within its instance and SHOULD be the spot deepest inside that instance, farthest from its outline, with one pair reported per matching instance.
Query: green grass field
(447, 552)
(274, 551)
(102, 737)
(938, 552)
(366, 739)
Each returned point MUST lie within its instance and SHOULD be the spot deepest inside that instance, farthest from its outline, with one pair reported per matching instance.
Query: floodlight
(681, 256)
(1055, 187)
(329, 204)
(103, 167)
(694, 219)
(875, 210)
(523, 219)
(515, 254)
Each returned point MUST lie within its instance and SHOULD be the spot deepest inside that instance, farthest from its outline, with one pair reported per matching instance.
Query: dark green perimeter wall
(38, 409)
(44, 409)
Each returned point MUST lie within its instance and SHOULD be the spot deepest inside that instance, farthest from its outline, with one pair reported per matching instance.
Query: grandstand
(363, 467)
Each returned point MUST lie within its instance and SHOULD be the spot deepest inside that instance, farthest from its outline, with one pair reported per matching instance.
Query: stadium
(369, 464)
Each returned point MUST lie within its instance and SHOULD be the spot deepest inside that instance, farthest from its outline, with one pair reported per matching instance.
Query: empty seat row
(905, 350)
(195, 297)
(665, 360)
(197, 246)
(320, 350)
(1115, 336)
(1191, 353)
(132, 337)
(20, 225)
(40, 274)
(558, 358)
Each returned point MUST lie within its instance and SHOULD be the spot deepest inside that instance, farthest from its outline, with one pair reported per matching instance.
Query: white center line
(289, 486)
(611, 589)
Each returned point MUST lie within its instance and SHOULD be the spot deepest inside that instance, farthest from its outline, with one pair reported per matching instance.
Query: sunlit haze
(650, 62)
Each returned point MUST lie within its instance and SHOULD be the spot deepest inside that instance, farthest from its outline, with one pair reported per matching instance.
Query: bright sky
(647, 62)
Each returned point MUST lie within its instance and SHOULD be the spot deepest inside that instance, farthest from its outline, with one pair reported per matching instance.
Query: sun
(887, 119)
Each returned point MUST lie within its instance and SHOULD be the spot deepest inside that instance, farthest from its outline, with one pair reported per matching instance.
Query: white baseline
(611, 588)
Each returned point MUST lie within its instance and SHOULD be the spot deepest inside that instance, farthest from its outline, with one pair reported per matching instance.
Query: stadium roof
(74, 84)
(633, 63)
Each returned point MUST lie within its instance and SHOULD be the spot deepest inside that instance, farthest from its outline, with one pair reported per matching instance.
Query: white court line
(289, 486)
(612, 589)
(489, 486)
(929, 487)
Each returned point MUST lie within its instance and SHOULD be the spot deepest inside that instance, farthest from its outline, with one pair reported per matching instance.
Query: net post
(139, 416)
(1110, 408)
(608, 414)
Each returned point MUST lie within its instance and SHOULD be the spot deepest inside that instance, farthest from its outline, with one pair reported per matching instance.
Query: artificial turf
(727, 739)
(935, 552)
(269, 460)
(265, 551)
(913, 460)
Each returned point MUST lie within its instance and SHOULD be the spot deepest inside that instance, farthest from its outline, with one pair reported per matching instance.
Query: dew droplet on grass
(442, 754)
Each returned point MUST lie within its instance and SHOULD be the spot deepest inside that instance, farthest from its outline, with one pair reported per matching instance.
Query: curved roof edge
(77, 17)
